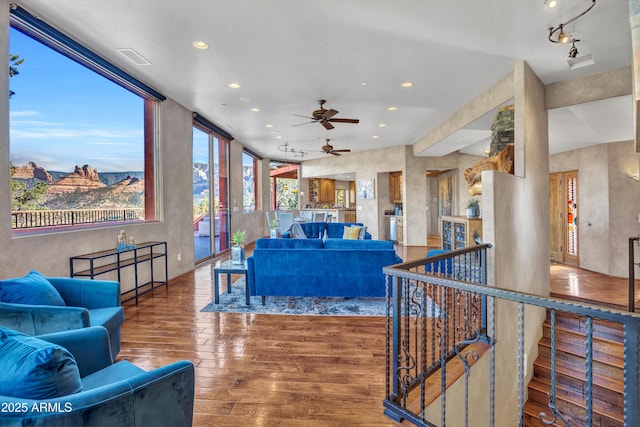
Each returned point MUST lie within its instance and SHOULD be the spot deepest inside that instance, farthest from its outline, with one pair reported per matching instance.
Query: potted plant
(237, 250)
(273, 228)
(473, 208)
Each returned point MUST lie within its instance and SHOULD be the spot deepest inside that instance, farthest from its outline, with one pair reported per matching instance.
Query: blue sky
(63, 114)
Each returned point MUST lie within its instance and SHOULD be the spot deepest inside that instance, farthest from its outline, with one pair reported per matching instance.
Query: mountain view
(84, 188)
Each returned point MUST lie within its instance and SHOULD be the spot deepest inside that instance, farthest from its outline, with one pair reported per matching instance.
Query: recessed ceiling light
(382, 125)
(364, 83)
(199, 44)
(406, 84)
(278, 137)
(375, 137)
(255, 110)
(268, 126)
(392, 108)
(233, 85)
(246, 99)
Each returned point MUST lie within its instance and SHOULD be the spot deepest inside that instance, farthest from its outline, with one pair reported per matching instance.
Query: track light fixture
(286, 148)
(564, 37)
(573, 52)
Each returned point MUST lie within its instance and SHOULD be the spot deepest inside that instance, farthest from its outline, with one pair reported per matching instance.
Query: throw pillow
(36, 369)
(33, 288)
(351, 233)
(363, 231)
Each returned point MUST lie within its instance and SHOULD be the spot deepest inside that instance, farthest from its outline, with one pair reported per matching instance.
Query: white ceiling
(287, 54)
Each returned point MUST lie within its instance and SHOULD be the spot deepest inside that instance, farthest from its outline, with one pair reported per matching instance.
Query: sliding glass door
(210, 207)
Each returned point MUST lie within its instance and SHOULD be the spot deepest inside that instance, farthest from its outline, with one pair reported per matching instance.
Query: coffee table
(229, 268)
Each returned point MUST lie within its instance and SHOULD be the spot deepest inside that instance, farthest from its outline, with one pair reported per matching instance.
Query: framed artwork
(445, 190)
(366, 189)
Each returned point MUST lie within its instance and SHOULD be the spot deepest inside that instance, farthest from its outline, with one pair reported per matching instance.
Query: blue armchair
(35, 305)
(68, 379)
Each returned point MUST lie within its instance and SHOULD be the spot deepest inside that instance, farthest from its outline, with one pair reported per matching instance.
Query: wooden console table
(97, 263)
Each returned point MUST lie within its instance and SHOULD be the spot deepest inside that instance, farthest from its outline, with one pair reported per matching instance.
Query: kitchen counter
(338, 214)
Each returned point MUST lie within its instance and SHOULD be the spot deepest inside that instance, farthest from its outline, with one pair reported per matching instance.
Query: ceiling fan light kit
(565, 37)
(325, 117)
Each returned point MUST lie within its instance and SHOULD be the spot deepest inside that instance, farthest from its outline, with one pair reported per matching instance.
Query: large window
(210, 206)
(249, 183)
(81, 144)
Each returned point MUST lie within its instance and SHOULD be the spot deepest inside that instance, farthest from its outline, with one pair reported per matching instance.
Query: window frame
(255, 161)
(41, 32)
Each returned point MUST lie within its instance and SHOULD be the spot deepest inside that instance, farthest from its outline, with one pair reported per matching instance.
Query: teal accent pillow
(36, 369)
(33, 289)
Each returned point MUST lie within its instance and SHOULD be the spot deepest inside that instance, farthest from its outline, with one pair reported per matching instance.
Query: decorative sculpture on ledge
(500, 153)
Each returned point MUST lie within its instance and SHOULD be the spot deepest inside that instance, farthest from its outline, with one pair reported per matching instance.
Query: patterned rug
(234, 302)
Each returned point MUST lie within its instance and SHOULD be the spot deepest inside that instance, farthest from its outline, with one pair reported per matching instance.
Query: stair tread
(532, 409)
(569, 395)
(569, 370)
(609, 338)
(598, 354)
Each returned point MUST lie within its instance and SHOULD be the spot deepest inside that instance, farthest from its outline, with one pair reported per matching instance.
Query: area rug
(234, 302)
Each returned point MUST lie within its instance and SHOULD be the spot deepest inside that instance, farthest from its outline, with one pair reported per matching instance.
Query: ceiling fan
(325, 117)
(327, 148)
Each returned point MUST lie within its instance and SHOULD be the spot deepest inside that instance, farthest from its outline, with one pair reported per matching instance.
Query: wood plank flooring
(277, 370)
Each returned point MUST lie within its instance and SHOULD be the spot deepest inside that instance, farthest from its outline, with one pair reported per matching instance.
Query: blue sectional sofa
(311, 267)
(335, 230)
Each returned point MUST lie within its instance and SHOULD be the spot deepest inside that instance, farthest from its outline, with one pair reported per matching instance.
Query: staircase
(608, 382)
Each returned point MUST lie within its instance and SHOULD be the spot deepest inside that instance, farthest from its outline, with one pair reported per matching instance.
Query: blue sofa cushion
(357, 244)
(36, 369)
(32, 289)
(264, 243)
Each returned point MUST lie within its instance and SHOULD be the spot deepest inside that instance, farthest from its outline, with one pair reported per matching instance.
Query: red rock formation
(32, 170)
(87, 172)
(82, 179)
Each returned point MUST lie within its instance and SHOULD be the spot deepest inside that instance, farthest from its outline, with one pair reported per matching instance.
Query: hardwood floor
(268, 370)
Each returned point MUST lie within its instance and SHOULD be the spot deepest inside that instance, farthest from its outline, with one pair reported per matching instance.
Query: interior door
(556, 216)
(563, 215)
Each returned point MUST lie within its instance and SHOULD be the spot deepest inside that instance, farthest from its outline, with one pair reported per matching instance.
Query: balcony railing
(23, 220)
(440, 313)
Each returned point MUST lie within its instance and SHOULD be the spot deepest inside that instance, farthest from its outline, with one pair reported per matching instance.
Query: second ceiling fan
(327, 148)
(325, 117)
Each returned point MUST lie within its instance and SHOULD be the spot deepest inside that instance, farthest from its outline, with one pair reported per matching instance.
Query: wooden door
(556, 216)
(563, 215)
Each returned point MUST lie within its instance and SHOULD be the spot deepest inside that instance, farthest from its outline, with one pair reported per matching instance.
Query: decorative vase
(273, 233)
(237, 254)
(473, 212)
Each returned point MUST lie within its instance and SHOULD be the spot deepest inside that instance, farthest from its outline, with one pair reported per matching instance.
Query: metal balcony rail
(440, 311)
(24, 220)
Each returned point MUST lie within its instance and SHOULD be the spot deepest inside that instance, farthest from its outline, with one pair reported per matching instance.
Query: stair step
(575, 377)
(603, 329)
(570, 349)
(531, 418)
(602, 408)
(578, 362)
(604, 350)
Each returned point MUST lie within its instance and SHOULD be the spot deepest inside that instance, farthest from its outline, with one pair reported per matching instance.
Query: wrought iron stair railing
(441, 313)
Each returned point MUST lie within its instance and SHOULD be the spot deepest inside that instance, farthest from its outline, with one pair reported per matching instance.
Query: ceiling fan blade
(342, 151)
(335, 153)
(305, 123)
(336, 120)
(329, 113)
(300, 115)
(327, 125)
